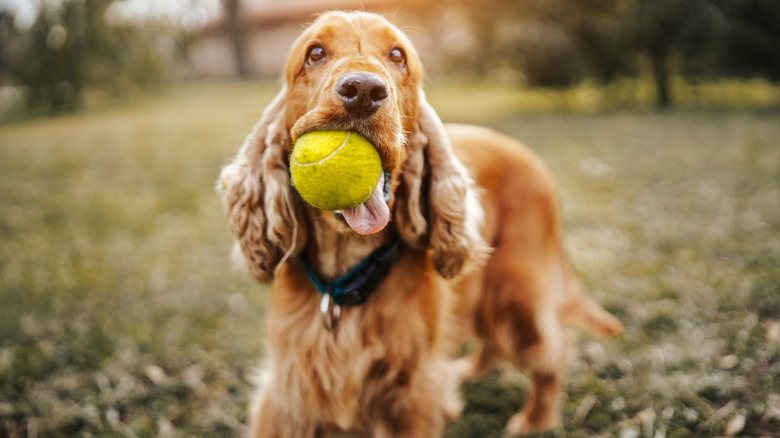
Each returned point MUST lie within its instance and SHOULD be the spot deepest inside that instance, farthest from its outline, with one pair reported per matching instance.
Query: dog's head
(354, 72)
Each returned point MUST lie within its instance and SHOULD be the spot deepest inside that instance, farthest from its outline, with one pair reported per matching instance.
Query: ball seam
(322, 160)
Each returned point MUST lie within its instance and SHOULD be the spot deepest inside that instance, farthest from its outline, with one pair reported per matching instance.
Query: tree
(601, 34)
(749, 43)
(525, 36)
(236, 30)
(52, 67)
(553, 43)
(71, 47)
(664, 27)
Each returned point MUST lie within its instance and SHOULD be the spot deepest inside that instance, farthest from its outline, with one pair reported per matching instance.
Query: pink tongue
(370, 216)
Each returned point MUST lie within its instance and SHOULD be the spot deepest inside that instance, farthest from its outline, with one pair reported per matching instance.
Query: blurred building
(253, 37)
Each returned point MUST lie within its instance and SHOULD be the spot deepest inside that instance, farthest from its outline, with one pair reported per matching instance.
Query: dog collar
(357, 285)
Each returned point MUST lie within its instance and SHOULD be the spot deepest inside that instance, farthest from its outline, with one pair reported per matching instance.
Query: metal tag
(331, 313)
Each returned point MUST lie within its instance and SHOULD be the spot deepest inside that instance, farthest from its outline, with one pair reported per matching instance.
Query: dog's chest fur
(339, 377)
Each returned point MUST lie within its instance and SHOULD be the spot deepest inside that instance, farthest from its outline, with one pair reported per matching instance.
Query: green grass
(487, 103)
(121, 313)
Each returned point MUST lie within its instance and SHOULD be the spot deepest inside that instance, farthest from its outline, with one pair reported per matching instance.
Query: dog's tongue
(370, 216)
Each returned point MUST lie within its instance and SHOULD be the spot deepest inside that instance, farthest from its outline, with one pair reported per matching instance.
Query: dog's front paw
(526, 421)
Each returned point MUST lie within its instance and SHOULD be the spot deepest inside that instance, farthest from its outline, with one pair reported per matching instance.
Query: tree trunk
(236, 33)
(658, 61)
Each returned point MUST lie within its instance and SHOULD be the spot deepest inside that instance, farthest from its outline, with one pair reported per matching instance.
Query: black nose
(362, 93)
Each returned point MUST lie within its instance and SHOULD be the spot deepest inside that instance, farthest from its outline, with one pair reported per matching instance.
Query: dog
(461, 241)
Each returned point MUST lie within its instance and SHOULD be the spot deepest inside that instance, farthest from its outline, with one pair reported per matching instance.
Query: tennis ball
(334, 170)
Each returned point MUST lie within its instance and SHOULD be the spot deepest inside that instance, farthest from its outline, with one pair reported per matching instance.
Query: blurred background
(53, 53)
(121, 314)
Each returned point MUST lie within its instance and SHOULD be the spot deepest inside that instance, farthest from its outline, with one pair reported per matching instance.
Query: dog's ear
(262, 209)
(438, 203)
(411, 196)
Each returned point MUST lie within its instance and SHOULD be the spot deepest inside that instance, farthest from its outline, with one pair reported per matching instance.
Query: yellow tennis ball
(334, 170)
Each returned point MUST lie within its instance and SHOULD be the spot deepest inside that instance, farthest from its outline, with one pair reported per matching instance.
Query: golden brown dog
(467, 232)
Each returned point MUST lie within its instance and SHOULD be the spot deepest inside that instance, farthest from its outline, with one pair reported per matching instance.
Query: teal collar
(357, 285)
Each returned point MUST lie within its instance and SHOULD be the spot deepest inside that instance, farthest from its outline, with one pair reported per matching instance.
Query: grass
(488, 102)
(122, 316)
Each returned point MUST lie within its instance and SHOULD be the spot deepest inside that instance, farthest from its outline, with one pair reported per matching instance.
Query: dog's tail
(580, 311)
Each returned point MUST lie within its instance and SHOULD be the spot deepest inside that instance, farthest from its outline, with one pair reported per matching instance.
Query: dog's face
(355, 72)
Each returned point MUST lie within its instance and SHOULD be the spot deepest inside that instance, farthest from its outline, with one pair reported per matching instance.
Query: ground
(122, 315)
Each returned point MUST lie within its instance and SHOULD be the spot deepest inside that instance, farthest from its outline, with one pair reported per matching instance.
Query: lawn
(121, 314)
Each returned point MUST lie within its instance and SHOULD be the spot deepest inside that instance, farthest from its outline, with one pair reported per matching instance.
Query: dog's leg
(421, 409)
(545, 360)
(477, 364)
(422, 419)
(267, 420)
(541, 410)
(522, 321)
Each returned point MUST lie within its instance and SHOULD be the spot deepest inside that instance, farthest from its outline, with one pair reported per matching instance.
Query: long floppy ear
(411, 197)
(451, 203)
(261, 207)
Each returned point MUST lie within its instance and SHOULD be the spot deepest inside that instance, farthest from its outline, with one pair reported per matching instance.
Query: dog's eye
(397, 56)
(315, 54)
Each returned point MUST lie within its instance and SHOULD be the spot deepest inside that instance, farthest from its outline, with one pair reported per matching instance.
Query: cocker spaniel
(461, 242)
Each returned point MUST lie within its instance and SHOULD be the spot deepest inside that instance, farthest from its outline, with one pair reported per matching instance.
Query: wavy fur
(262, 208)
(482, 260)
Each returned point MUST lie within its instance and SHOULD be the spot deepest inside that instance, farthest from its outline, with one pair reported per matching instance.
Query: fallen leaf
(736, 424)
(728, 362)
